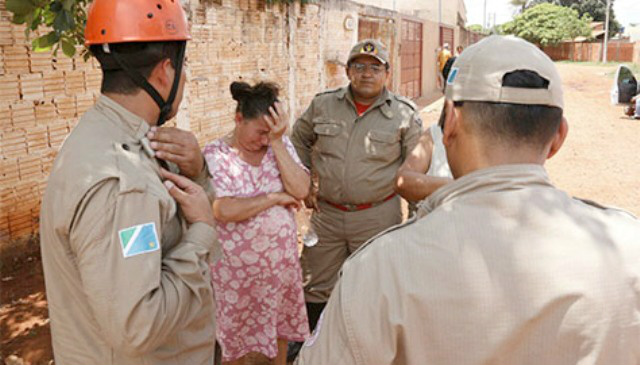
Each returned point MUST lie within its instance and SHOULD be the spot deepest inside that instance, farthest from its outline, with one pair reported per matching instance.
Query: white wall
(425, 9)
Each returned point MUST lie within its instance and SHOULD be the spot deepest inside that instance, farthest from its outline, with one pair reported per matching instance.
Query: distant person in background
(443, 56)
(633, 110)
(459, 50)
(258, 179)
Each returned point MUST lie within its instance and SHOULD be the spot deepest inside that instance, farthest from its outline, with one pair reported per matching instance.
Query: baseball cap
(477, 74)
(370, 47)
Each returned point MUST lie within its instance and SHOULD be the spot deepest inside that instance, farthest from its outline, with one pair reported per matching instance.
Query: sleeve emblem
(139, 239)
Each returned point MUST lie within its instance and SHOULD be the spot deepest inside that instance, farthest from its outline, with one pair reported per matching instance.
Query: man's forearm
(415, 186)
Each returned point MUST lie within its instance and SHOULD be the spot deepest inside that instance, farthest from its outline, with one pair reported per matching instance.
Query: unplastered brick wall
(41, 97)
(300, 47)
(251, 41)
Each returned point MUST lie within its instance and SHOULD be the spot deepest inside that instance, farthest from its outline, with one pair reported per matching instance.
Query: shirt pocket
(383, 146)
(328, 132)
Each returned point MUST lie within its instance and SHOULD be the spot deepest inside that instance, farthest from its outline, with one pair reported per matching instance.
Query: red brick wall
(42, 96)
(591, 52)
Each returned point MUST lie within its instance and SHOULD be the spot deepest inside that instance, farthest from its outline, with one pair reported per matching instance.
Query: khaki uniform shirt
(356, 157)
(107, 304)
(505, 269)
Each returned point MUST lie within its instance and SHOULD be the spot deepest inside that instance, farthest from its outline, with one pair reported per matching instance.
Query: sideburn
(443, 117)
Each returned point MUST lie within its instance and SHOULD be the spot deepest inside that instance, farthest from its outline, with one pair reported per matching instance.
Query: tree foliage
(597, 9)
(64, 20)
(477, 28)
(547, 24)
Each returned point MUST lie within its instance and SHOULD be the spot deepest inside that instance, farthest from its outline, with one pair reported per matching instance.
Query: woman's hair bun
(240, 90)
(254, 101)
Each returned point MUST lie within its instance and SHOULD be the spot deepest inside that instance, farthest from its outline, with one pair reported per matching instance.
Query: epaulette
(330, 91)
(604, 207)
(367, 243)
(407, 101)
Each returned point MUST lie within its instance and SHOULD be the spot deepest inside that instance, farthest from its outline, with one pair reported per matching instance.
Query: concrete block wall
(41, 99)
(42, 96)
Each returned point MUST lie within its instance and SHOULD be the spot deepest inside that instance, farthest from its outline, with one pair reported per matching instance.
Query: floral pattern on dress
(258, 281)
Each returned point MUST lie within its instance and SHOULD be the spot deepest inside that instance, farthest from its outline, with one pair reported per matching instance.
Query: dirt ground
(599, 161)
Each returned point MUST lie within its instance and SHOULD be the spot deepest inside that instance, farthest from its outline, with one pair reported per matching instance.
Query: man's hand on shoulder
(178, 146)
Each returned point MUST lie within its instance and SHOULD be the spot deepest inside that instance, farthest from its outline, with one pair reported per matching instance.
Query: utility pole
(484, 16)
(606, 33)
(440, 21)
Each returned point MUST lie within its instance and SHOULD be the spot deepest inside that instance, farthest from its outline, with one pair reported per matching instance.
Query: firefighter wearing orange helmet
(126, 243)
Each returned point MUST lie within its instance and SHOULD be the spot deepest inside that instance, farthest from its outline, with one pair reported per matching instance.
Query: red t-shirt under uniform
(361, 108)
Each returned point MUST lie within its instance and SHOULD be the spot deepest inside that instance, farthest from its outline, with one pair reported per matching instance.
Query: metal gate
(447, 36)
(411, 59)
(381, 29)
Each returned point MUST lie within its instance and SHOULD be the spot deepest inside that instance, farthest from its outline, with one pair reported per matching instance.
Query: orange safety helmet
(120, 21)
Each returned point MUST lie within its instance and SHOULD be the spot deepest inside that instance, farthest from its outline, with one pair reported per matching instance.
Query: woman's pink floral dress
(258, 282)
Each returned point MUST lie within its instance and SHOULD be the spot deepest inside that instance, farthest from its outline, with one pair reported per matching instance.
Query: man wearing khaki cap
(353, 139)
(499, 267)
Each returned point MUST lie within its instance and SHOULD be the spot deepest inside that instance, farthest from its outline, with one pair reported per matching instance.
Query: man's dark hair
(141, 56)
(254, 101)
(533, 125)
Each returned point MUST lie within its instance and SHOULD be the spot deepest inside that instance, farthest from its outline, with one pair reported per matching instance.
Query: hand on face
(177, 146)
(277, 122)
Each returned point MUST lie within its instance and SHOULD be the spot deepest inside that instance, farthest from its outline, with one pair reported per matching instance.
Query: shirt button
(125, 147)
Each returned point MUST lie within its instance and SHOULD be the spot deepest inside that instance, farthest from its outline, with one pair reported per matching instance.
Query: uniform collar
(489, 180)
(384, 101)
(133, 125)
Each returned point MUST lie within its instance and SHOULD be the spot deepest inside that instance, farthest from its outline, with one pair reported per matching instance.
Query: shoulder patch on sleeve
(406, 101)
(139, 239)
(604, 207)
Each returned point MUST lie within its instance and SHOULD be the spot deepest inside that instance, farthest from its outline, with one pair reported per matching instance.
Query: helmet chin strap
(138, 79)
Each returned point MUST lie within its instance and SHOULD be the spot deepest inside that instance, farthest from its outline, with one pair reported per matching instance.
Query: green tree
(597, 9)
(65, 20)
(547, 24)
(477, 28)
